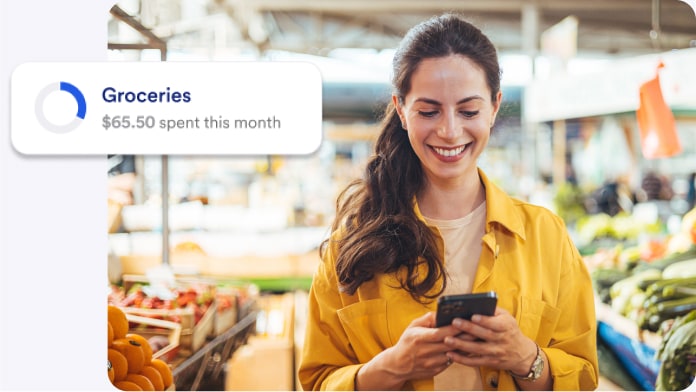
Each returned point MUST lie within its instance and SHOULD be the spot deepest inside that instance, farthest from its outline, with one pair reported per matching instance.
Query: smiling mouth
(450, 152)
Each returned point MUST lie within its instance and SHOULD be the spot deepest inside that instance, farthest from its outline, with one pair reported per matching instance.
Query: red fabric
(658, 132)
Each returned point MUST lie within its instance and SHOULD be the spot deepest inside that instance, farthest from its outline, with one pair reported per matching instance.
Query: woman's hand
(419, 353)
(496, 342)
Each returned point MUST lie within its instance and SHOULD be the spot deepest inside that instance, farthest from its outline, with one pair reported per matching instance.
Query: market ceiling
(621, 27)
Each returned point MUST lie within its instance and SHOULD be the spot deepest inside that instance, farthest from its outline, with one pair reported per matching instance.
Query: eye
(469, 113)
(427, 113)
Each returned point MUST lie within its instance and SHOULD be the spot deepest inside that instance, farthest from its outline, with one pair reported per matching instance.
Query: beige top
(462, 250)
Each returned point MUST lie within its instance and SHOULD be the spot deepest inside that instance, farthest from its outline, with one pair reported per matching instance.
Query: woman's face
(448, 115)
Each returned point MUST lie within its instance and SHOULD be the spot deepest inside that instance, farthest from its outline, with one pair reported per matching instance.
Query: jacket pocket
(538, 320)
(365, 324)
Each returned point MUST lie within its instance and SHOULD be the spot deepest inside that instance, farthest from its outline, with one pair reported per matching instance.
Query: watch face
(538, 367)
(535, 371)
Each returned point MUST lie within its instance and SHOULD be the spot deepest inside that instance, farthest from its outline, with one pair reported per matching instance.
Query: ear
(496, 107)
(399, 109)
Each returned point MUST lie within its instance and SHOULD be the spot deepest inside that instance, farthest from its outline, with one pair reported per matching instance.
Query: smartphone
(464, 306)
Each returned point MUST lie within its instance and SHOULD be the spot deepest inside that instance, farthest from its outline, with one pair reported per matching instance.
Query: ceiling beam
(370, 6)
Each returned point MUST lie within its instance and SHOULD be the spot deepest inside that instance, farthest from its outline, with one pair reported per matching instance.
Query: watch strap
(534, 371)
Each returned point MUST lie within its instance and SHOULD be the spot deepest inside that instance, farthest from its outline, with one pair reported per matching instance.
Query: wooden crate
(154, 327)
(224, 318)
(223, 321)
(192, 337)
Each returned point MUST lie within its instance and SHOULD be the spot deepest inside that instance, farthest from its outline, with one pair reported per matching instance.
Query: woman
(424, 222)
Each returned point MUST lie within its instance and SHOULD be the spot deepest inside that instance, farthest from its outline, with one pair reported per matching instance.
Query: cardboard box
(263, 364)
(267, 361)
(300, 329)
(276, 316)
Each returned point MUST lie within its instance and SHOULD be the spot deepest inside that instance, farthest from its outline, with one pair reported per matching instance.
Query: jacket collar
(500, 208)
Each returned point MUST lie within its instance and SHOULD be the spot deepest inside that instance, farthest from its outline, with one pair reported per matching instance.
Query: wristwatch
(536, 369)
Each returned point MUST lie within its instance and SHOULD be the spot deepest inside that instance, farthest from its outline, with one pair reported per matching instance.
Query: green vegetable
(665, 262)
(677, 353)
(678, 322)
(668, 294)
(681, 269)
(604, 278)
(622, 291)
(569, 203)
(656, 314)
(659, 285)
(676, 307)
(669, 289)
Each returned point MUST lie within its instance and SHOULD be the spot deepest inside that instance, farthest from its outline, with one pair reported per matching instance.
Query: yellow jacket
(527, 258)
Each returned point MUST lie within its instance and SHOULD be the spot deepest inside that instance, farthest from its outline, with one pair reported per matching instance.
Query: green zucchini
(681, 269)
(667, 294)
(677, 307)
(666, 310)
(659, 285)
(665, 262)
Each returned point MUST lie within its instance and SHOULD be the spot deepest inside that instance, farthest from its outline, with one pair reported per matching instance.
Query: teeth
(449, 152)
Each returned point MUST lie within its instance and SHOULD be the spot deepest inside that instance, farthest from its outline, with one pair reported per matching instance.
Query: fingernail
(476, 318)
(449, 340)
(457, 323)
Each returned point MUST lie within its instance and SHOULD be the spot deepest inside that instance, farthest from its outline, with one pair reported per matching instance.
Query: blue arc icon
(81, 107)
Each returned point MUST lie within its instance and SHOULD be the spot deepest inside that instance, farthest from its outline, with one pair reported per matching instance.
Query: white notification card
(201, 108)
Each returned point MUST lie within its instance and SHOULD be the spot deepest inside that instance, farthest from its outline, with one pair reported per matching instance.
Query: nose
(447, 127)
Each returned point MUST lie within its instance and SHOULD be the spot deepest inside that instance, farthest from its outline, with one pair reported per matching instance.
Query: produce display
(678, 355)
(163, 321)
(652, 283)
(131, 366)
(188, 302)
(196, 297)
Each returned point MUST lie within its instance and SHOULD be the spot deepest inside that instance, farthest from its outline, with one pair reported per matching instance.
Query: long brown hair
(380, 232)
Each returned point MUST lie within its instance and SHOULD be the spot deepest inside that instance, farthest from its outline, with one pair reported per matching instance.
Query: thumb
(427, 320)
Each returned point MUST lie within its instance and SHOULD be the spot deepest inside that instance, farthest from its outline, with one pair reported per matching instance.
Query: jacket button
(492, 380)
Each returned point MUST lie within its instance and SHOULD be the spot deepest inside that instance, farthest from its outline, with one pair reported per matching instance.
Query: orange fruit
(110, 334)
(119, 322)
(118, 364)
(127, 386)
(144, 344)
(142, 381)
(154, 376)
(133, 352)
(164, 370)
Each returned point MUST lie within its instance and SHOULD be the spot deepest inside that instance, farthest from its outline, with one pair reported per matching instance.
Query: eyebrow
(435, 102)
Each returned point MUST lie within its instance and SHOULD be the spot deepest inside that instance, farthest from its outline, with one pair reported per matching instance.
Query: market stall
(638, 241)
(212, 261)
(646, 307)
